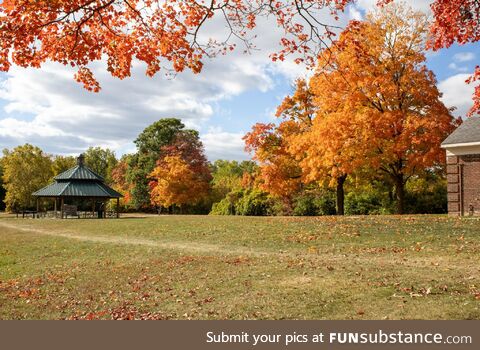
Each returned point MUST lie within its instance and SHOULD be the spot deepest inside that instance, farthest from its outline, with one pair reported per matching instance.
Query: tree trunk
(400, 195)
(341, 195)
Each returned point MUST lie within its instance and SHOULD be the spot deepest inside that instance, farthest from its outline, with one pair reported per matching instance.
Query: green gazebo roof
(79, 181)
(80, 172)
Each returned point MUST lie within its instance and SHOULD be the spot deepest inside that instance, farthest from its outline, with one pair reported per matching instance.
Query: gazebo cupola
(79, 182)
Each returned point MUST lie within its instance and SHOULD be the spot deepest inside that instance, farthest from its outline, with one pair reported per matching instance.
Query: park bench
(70, 210)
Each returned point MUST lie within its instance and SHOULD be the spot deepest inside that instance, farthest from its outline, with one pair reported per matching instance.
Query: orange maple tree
(120, 183)
(176, 183)
(375, 105)
(280, 172)
(182, 176)
(375, 88)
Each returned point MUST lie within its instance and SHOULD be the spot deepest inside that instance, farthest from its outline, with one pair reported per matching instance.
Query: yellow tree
(62, 163)
(26, 169)
(378, 104)
(175, 182)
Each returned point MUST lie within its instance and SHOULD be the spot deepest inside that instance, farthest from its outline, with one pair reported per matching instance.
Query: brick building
(463, 168)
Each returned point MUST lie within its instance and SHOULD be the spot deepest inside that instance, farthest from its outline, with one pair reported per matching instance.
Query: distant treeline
(169, 173)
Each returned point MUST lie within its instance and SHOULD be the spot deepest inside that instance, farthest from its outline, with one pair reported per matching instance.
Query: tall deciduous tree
(375, 88)
(182, 175)
(119, 178)
(26, 169)
(150, 145)
(2, 188)
(62, 163)
(372, 103)
(280, 174)
(176, 182)
(102, 161)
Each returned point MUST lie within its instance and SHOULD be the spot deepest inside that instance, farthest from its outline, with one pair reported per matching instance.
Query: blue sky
(49, 109)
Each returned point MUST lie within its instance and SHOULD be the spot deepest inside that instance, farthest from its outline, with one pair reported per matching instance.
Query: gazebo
(78, 183)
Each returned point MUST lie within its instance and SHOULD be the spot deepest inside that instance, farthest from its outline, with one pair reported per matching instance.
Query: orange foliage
(120, 182)
(280, 172)
(375, 105)
(300, 106)
(455, 21)
(176, 183)
(78, 32)
(378, 104)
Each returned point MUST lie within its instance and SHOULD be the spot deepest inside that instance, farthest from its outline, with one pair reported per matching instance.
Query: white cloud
(63, 110)
(457, 68)
(457, 93)
(224, 145)
(464, 57)
(48, 108)
(419, 5)
(354, 13)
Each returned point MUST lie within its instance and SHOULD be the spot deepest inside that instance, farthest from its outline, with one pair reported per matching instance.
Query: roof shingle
(77, 189)
(468, 132)
(80, 172)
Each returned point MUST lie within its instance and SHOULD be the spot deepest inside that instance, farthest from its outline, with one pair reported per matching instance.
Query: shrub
(430, 199)
(325, 204)
(224, 207)
(363, 203)
(254, 203)
(315, 204)
(305, 206)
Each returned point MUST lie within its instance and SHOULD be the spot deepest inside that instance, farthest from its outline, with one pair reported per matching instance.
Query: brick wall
(463, 175)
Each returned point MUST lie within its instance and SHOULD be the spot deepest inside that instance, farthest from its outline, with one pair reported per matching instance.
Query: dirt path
(214, 249)
(194, 247)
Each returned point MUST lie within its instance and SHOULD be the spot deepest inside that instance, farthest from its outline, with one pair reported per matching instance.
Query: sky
(47, 108)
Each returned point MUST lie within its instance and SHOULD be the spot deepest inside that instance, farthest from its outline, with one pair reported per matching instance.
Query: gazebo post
(55, 207)
(93, 208)
(38, 207)
(118, 208)
(61, 208)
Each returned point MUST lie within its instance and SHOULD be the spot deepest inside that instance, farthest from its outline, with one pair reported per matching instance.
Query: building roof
(77, 189)
(79, 181)
(467, 132)
(80, 172)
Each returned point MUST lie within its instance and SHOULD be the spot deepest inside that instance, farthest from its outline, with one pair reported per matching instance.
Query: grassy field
(187, 267)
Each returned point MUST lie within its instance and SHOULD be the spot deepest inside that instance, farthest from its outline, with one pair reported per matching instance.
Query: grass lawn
(200, 267)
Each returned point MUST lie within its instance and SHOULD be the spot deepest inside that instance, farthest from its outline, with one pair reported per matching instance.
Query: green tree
(102, 161)
(26, 169)
(62, 163)
(227, 175)
(151, 145)
(2, 188)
